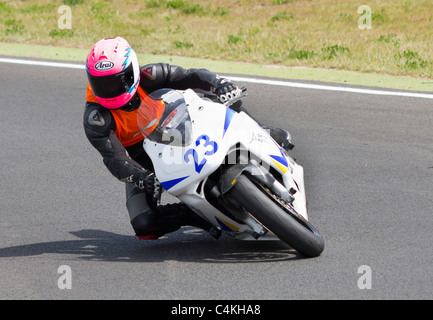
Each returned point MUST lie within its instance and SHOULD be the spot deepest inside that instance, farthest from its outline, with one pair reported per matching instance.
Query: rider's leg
(150, 221)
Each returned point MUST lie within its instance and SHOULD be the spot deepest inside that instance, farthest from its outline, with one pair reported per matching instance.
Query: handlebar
(239, 95)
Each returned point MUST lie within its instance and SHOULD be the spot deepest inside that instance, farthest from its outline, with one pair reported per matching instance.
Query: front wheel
(278, 217)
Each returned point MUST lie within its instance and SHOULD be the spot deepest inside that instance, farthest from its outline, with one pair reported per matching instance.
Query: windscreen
(163, 118)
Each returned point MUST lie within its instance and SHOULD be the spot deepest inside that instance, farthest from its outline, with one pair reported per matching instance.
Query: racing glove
(150, 184)
(226, 90)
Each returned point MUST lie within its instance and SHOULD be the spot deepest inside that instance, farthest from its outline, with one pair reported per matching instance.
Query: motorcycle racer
(116, 86)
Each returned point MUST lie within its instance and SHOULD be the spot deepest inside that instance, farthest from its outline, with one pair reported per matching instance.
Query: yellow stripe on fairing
(280, 166)
(228, 224)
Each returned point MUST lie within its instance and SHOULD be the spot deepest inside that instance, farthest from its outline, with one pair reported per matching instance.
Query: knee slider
(145, 224)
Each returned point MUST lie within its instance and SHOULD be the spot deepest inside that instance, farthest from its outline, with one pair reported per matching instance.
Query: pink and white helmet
(113, 72)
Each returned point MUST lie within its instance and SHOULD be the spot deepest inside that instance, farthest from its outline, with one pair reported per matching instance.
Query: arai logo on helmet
(104, 65)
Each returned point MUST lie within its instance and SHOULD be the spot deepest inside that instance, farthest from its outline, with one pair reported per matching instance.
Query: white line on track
(334, 88)
(43, 63)
(250, 80)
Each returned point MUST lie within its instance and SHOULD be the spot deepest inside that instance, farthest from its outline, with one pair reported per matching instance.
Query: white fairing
(216, 130)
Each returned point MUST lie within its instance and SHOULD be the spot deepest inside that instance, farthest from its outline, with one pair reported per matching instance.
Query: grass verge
(281, 72)
(284, 38)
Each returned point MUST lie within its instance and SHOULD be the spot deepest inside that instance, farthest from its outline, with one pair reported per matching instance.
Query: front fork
(228, 180)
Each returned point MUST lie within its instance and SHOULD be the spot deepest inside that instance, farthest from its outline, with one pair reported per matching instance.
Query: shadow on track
(187, 245)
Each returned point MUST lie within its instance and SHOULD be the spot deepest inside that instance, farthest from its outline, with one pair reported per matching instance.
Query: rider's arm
(99, 126)
(162, 75)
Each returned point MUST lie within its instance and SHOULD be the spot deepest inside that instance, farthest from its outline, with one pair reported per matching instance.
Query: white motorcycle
(225, 167)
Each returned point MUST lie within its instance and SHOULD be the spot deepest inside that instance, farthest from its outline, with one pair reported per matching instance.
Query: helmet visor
(113, 85)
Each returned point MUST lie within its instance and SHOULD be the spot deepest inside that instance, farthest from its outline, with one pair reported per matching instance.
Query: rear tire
(277, 216)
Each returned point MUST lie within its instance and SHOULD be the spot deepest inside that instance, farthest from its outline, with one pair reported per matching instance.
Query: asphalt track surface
(368, 164)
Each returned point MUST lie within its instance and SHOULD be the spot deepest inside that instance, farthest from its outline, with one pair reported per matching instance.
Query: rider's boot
(194, 220)
(281, 136)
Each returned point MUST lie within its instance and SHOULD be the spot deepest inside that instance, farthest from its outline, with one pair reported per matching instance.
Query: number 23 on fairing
(210, 146)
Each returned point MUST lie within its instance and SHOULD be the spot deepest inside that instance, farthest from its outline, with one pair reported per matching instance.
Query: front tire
(281, 219)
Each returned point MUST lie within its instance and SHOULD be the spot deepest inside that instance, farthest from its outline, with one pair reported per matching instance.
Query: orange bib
(127, 130)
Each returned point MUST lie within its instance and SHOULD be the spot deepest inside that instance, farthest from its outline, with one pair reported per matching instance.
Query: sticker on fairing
(200, 160)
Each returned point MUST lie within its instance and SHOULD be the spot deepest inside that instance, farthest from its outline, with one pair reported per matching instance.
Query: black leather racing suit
(128, 163)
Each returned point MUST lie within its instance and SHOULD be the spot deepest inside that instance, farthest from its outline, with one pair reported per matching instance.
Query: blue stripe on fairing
(281, 159)
(229, 116)
(171, 183)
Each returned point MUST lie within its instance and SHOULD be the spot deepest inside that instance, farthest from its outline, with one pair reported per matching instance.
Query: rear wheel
(277, 216)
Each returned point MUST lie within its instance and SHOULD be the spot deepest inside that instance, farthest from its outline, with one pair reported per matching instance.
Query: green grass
(293, 33)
